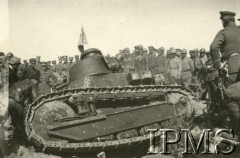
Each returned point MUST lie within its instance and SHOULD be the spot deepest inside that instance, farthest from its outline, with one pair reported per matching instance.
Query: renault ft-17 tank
(100, 110)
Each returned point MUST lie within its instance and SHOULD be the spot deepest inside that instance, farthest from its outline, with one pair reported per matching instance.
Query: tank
(98, 110)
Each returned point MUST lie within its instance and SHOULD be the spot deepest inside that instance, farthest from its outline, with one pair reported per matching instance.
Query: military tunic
(140, 62)
(187, 69)
(160, 64)
(174, 68)
(30, 72)
(151, 61)
(228, 42)
(47, 78)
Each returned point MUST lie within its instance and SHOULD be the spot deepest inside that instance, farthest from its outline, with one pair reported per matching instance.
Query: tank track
(64, 95)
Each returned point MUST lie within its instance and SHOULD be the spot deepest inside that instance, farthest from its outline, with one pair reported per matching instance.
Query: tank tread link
(158, 96)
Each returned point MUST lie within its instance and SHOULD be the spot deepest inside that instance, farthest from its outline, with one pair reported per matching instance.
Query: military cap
(173, 51)
(136, 47)
(14, 60)
(2, 54)
(54, 61)
(70, 58)
(76, 56)
(9, 55)
(140, 46)
(59, 57)
(126, 49)
(161, 49)
(203, 50)
(191, 51)
(227, 14)
(32, 60)
(184, 51)
(145, 50)
(44, 63)
(65, 57)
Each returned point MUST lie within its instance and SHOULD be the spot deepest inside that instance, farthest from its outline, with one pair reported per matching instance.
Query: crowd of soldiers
(183, 68)
(43, 74)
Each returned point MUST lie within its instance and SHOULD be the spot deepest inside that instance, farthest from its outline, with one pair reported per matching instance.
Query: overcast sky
(51, 28)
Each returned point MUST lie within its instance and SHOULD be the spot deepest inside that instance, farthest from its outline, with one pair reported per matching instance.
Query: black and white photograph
(119, 78)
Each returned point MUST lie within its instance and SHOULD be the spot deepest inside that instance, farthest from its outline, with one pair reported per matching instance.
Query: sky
(51, 28)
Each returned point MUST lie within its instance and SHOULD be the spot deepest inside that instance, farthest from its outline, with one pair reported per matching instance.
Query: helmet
(9, 55)
(184, 51)
(162, 49)
(14, 60)
(202, 50)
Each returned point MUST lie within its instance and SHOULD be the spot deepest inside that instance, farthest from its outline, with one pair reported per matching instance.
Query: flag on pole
(82, 38)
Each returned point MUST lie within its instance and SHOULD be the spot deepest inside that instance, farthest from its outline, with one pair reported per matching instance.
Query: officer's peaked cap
(227, 14)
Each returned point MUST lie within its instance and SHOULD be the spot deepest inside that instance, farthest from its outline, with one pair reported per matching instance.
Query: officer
(227, 41)
(211, 78)
(77, 58)
(197, 64)
(127, 61)
(174, 67)
(49, 63)
(46, 80)
(63, 68)
(25, 62)
(202, 56)
(187, 68)
(160, 61)
(30, 72)
(9, 56)
(160, 66)
(70, 60)
(14, 63)
(151, 58)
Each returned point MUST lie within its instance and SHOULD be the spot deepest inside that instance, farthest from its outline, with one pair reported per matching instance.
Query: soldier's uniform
(63, 68)
(187, 68)
(31, 72)
(151, 58)
(197, 64)
(211, 78)
(174, 67)
(160, 62)
(47, 78)
(127, 61)
(140, 60)
(227, 41)
(76, 58)
(70, 61)
(203, 57)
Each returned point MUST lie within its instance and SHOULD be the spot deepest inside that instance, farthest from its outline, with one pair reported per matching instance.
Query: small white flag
(82, 38)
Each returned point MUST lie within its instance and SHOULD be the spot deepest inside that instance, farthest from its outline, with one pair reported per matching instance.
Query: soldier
(9, 56)
(211, 78)
(151, 58)
(197, 64)
(227, 41)
(25, 62)
(45, 79)
(54, 66)
(127, 61)
(38, 62)
(174, 67)
(3, 71)
(63, 68)
(203, 57)
(160, 66)
(30, 72)
(70, 61)
(187, 68)
(14, 63)
(76, 58)
(60, 59)
(160, 61)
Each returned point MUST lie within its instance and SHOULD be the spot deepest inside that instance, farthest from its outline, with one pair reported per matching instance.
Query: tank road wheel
(49, 113)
